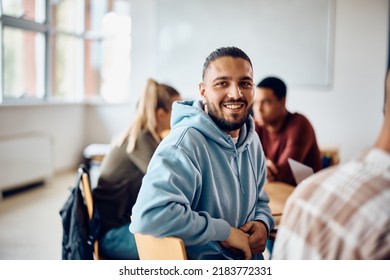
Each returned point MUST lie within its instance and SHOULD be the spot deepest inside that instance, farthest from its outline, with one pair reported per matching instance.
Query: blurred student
(283, 134)
(205, 181)
(124, 167)
(342, 212)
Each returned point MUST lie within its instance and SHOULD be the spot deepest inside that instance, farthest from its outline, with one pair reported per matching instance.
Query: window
(65, 50)
(23, 63)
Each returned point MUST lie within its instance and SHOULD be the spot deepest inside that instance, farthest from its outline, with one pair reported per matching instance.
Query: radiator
(25, 159)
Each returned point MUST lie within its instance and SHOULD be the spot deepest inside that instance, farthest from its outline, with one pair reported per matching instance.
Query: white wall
(70, 126)
(348, 113)
(63, 123)
(106, 121)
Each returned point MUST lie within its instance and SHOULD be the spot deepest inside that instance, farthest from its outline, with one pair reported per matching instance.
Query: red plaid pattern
(342, 212)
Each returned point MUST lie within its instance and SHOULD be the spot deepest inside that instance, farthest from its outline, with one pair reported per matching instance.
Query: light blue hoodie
(199, 183)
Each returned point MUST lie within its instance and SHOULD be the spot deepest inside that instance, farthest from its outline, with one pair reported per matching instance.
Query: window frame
(32, 26)
(50, 31)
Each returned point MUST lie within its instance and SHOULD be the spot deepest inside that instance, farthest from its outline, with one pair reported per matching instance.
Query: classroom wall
(63, 123)
(347, 114)
(71, 127)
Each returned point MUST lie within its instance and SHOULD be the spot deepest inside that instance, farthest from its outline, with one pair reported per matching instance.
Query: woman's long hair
(155, 96)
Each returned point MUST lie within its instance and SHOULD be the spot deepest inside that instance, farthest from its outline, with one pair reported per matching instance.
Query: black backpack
(79, 233)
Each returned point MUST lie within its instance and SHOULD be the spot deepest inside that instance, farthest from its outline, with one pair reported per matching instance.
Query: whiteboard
(291, 39)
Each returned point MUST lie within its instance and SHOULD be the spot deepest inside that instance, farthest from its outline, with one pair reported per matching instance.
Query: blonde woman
(124, 167)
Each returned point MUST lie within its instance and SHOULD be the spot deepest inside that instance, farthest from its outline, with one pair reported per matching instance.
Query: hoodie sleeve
(163, 206)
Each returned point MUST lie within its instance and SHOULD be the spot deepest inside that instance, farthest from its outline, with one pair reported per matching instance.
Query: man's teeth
(233, 106)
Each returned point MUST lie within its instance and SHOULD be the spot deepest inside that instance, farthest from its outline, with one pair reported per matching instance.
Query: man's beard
(224, 124)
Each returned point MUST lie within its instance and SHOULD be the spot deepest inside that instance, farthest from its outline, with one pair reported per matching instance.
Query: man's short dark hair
(224, 51)
(277, 85)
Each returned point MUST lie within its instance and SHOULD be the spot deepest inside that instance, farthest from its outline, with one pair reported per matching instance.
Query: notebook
(299, 170)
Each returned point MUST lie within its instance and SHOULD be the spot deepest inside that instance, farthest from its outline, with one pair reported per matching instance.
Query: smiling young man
(204, 182)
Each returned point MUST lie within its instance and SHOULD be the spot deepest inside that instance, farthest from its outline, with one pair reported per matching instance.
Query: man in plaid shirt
(342, 212)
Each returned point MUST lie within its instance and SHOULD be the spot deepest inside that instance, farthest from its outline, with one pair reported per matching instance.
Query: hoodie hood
(191, 113)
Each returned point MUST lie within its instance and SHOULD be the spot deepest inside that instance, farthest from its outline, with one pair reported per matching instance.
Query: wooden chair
(166, 248)
(88, 199)
(330, 156)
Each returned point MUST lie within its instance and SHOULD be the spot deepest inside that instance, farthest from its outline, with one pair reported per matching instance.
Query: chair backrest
(329, 156)
(166, 248)
(88, 199)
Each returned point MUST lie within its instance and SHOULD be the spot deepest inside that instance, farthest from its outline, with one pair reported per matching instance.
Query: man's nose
(235, 92)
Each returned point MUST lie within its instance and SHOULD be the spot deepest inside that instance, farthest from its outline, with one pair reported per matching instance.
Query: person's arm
(258, 235)
(272, 170)
(300, 137)
(259, 228)
(238, 242)
(163, 206)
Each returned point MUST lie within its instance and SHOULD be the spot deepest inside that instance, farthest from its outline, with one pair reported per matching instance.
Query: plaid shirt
(342, 212)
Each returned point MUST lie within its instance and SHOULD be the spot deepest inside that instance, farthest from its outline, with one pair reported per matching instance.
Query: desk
(278, 193)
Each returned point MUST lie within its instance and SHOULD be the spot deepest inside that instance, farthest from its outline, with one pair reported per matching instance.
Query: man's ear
(202, 92)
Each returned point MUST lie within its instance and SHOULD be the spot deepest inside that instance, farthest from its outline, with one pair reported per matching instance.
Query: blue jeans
(119, 244)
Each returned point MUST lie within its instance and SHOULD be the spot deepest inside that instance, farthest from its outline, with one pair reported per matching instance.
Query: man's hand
(257, 232)
(272, 171)
(238, 242)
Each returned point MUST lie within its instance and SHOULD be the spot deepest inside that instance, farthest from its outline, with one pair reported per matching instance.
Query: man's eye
(246, 84)
(266, 102)
(221, 84)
